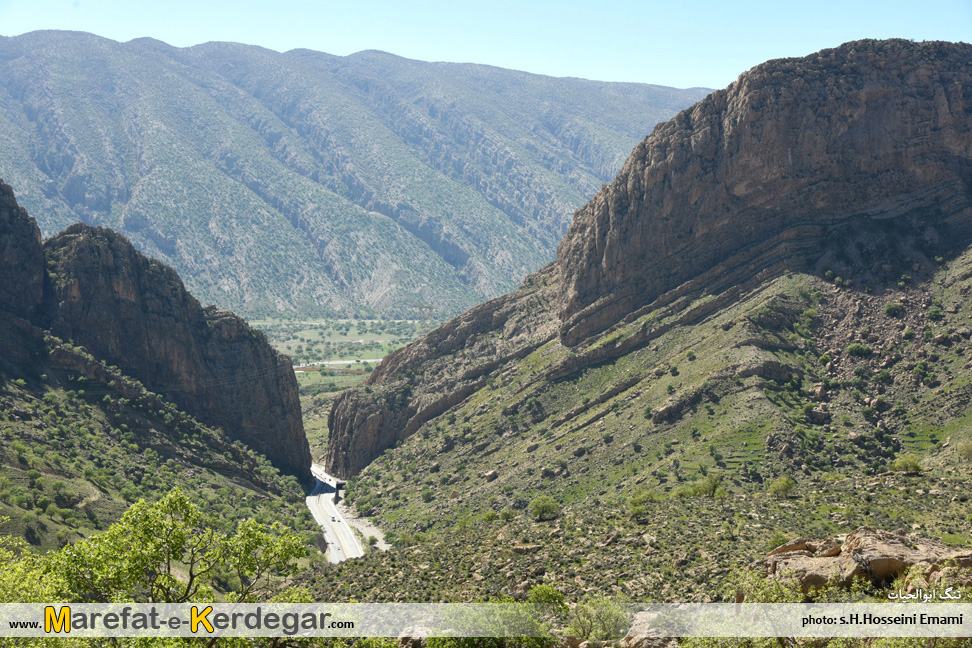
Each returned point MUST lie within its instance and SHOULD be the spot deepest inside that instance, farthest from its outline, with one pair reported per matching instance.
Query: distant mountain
(309, 183)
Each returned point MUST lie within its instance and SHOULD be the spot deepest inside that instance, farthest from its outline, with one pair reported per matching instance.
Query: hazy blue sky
(679, 43)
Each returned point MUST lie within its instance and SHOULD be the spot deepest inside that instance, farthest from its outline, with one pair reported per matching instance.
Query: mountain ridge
(383, 184)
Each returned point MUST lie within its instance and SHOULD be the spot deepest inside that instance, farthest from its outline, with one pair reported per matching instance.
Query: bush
(859, 350)
(781, 487)
(544, 507)
(893, 309)
(884, 377)
(507, 514)
(599, 619)
(778, 539)
(707, 487)
(965, 450)
(907, 463)
(636, 503)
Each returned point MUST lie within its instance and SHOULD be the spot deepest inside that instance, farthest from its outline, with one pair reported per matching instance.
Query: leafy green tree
(965, 450)
(599, 619)
(544, 507)
(780, 488)
(907, 463)
(162, 553)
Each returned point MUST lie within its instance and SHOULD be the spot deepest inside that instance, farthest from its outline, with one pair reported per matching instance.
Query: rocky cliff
(855, 159)
(134, 312)
(21, 258)
(755, 177)
(96, 290)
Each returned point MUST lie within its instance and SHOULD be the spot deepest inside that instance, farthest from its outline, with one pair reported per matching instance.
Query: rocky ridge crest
(96, 290)
(758, 176)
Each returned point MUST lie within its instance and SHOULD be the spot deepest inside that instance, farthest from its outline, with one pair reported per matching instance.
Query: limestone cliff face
(134, 312)
(752, 177)
(21, 259)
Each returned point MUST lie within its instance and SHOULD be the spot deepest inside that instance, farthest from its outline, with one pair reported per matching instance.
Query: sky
(681, 43)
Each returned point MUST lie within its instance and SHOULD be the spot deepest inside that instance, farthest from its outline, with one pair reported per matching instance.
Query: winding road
(341, 541)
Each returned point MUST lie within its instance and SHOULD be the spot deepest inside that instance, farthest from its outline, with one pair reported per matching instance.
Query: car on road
(333, 519)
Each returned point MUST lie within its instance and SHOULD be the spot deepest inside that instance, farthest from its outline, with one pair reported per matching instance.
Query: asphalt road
(341, 541)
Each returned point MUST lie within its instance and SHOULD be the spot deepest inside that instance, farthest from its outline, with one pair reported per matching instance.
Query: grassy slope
(736, 405)
(79, 441)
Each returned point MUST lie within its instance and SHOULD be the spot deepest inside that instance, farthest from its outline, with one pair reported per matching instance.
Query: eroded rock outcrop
(866, 553)
(21, 258)
(134, 312)
(755, 177)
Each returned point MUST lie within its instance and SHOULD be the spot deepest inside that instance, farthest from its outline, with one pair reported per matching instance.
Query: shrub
(965, 450)
(779, 489)
(544, 507)
(893, 309)
(636, 503)
(907, 463)
(859, 350)
(778, 539)
(507, 514)
(599, 619)
(707, 487)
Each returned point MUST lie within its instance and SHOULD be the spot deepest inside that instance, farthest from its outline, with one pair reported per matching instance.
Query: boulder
(413, 637)
(871, 553)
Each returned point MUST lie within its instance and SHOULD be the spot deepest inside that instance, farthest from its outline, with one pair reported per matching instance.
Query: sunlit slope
(308, 183)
